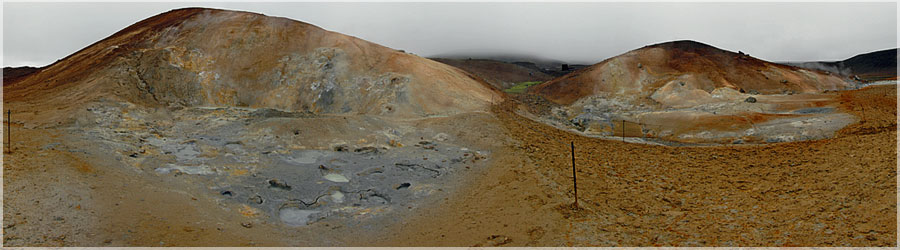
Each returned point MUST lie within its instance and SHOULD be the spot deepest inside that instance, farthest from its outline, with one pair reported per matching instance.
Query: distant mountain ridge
(499, 74)
(871, 66)
(13, 74)
(545, 64)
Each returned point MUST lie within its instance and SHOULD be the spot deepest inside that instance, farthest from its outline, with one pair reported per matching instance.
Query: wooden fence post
(574, 175)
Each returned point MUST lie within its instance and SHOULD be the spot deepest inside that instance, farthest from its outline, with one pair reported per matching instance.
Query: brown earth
(833, 192)
(500, 75)
(54, 197)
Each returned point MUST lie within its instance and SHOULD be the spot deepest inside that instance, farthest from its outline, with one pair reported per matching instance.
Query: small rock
(256, 199)
(441, 137)
(337, 197)
(402, 186)
(275, 183)
(341, 148)
(50, 146)
(366, 150)
(336, 177)
(246, 224)
(750, 99)
(494, 241)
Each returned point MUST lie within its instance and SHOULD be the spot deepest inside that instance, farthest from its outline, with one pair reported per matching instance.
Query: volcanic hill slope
(700, 67)
(194, 126)
(663, 90)
(204, 57)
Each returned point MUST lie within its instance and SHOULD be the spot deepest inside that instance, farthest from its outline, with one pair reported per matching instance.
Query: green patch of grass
(521, 87)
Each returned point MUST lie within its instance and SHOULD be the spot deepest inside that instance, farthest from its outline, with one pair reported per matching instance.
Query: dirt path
(835, 192)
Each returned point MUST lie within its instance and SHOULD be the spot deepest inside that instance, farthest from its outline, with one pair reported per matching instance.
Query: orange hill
(684, 66)
(209, 57)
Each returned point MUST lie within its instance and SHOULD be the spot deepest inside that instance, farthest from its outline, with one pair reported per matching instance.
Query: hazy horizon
(37, 34)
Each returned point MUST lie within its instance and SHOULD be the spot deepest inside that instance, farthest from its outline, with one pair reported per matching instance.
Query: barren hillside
(690, 92)
(656, 69)
(207, 57)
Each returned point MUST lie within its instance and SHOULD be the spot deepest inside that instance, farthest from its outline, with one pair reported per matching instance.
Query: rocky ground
(832, 192)
(729, 118)
(126, 176)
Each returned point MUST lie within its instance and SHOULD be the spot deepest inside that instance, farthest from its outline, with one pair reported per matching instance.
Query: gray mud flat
(290, 170)
(304, 186)
(602, 117)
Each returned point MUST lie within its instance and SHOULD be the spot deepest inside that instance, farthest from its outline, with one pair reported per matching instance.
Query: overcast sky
(38, 34)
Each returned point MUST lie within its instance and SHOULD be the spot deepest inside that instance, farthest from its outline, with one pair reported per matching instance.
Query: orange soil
(834, 192)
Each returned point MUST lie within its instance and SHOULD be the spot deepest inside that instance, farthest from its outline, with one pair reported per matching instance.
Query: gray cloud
(41, 33)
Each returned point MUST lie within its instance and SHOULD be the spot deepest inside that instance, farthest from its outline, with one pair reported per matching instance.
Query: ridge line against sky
(37, 34)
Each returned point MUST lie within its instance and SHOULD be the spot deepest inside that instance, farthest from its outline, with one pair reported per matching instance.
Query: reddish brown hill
(680, 67)
(208, 57)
